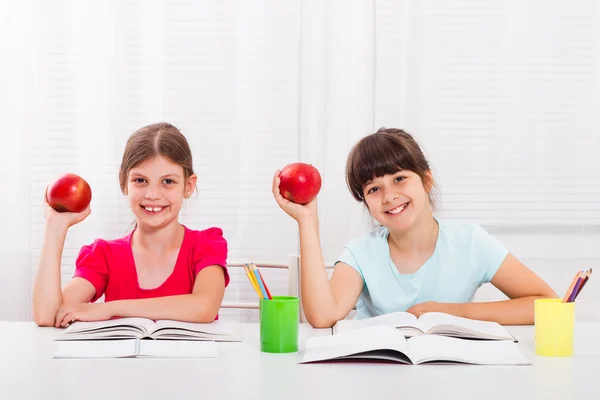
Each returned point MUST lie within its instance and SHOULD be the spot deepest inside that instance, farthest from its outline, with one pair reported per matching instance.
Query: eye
(169, 181)
(399, 179)
(139, 180)
(372, 190)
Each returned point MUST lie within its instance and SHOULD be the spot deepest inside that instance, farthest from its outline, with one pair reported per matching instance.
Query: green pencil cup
(279, 319)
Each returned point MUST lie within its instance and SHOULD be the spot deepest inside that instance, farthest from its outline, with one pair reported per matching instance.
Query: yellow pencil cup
(554, 328)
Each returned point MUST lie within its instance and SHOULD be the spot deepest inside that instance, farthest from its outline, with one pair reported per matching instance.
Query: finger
(312, 203)
(85, 213)
(60, 315)
(277, 193)
(80, 216)
(63, 320)
(276, 181)
(283, 202)
(68, 319)
(46, 195)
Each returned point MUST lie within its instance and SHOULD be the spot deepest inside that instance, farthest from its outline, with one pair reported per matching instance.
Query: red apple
(70, 193)
(299, 183)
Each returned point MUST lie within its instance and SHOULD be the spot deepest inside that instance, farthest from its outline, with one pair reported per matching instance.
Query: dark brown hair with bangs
(385, 152)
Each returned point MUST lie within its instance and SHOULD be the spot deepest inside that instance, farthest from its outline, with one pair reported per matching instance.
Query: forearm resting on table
(186, 307)
(506, 312)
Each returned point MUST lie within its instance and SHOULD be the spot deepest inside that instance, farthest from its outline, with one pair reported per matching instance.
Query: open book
(385, 343)
(136, 348)
(140, 328)
(433, 323)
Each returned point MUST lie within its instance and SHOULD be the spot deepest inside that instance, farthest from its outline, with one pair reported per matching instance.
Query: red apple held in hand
(70, 193)
(299, 182)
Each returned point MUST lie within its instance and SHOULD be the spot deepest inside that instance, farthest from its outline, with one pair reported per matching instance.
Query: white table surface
(28, 371)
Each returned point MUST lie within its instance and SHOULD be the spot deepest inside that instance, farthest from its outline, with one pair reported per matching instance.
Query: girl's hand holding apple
(67, 201)
(295, 188)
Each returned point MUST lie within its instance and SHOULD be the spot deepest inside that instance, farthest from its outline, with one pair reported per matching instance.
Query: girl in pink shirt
(162, 270)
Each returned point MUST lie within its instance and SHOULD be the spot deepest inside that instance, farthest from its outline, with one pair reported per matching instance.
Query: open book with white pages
(139, 348)
(143, 328)
(432, 323)
(386, 343)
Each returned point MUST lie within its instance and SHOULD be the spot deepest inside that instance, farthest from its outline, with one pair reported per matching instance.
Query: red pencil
(264, 283)
(587, 278)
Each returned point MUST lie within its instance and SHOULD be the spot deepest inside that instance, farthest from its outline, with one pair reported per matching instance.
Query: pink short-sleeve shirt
(110, 267)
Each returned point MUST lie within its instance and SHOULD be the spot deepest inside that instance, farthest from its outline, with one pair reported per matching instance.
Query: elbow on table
(42, 320)
(319, 321)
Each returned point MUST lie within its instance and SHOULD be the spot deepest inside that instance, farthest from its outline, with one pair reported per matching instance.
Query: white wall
(81, 77)
(502, 95)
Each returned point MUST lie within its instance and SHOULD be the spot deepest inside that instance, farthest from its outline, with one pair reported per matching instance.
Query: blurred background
(503, 97)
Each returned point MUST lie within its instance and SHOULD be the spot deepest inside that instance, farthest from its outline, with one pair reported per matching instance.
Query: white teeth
(398, 209)
(155, 209)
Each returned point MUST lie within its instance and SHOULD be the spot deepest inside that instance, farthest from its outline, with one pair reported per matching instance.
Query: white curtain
(79, 77)
(17, 83)
(336, 106)
(502, 96)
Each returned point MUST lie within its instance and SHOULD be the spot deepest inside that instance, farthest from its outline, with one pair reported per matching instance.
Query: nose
(152, 194)
(389, 195)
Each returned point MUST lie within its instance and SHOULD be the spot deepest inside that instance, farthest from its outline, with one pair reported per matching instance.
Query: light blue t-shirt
(465, 257)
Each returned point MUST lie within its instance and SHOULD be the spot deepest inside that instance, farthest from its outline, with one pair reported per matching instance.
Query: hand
(63, 219)
(297, 211)
(83, 312)
(431, 306)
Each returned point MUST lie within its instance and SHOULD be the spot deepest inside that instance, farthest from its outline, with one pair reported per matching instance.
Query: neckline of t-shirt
(177, 262)
(425, 264)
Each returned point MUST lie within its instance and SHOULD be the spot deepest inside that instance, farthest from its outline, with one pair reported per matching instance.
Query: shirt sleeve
(92, 266)
(347, 257)
(488, 252)
(211, 249)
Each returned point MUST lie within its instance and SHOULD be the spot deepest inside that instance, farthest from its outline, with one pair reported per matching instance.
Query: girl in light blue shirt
(413, 262)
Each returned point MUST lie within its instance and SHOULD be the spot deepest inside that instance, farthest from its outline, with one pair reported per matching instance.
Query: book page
(401, 320)
(177, 349)
(97, 349)
(441, 323)
(217, 330)
(355, 342)
(119, 327)
(441, 349)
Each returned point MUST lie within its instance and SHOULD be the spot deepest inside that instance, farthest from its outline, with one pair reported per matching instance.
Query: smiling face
(388, 171)
(156, 189)
(397, 200)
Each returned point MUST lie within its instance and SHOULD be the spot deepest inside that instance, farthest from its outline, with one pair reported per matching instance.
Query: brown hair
(385, 152)
(153, 140)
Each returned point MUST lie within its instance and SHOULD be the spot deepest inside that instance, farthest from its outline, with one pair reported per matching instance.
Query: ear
(428, 182)
(190, 185)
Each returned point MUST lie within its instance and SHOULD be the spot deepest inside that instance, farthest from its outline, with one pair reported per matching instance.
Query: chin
(154, 223)
(399, 225)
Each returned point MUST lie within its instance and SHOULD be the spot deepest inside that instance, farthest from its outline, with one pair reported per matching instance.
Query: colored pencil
(259, 281)
(588, 274)
(264, 283)
(250, 276)
(577, 285)
(570, 290)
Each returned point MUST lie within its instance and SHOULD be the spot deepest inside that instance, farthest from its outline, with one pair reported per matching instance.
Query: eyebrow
(162, 177)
